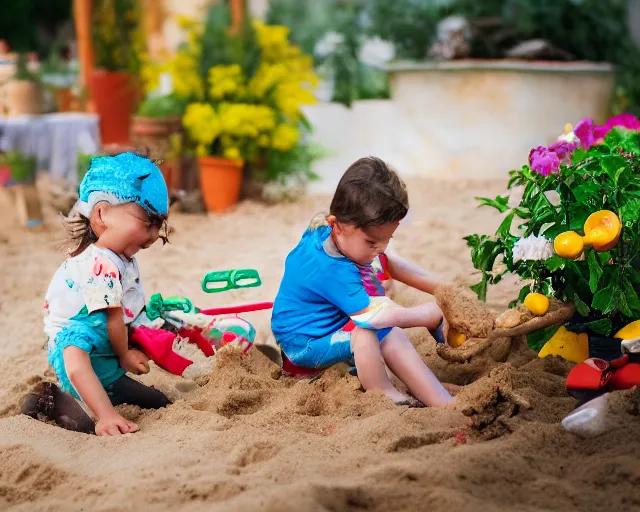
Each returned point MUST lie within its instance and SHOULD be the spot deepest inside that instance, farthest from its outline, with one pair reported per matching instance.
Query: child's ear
(332, 221)
(97, 218)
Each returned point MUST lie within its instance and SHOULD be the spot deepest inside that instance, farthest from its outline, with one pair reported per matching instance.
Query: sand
(248, 440)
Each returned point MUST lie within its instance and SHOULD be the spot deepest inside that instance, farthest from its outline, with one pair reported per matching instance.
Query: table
(54, 139)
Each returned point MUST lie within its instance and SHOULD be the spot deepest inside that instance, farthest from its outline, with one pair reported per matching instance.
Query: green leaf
(612, 164)
(577, 221)
(606, 299)
(545, 289)
(554, 263)
(599, 150)
(595, 272)
(613, 138)
(633, 275)
(581, 306)
(604, 257)
(537, 339)
(473, 240)
(623, 305)
(578, 155)
(523, 213)
(630, 211)
(630, 294)
(545, 227)
(524, 291)
(602, 326)
(505, 226)
(584, 190)
(481, 288)
(499, 203)
(484, 255)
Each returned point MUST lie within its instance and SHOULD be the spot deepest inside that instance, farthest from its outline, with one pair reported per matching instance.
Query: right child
(331, 306)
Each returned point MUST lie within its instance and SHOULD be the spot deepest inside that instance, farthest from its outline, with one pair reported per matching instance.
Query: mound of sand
(246, 439)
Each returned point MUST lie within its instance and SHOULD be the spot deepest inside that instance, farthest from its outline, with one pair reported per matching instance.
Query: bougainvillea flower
(543, 161)
(563, 149)
(628, 121)
(585, 132)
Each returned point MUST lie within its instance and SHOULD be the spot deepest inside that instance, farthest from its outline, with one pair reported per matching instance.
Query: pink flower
(600, 132)
(563, 149)
(585, 132)
(628, 121)
(543, 161)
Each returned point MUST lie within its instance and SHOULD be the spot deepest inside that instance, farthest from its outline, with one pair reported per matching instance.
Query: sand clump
(246, 438)
(463, 310)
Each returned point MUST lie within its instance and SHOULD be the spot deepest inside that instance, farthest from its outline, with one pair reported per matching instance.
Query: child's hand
(135, 362)
(114, 425)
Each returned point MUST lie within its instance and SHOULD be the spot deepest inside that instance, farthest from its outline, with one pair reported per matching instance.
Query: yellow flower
(273, 39)
(202, 124)
(232, 153)
(267, 77)
(202, 150)
(184, 22)
(263, 141)
(224, 81)
(150, 72)
(184, 72)
(284, 137)
(291, 96)
(249, 121)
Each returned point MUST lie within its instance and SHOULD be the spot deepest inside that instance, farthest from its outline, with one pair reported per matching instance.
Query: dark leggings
(68, 413)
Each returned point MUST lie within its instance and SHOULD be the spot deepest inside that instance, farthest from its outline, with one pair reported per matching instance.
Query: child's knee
(435, 316)
(361, 338)
(395, 341)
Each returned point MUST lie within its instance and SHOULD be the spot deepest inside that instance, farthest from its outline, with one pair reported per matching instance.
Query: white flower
(532, 248)
(377, 52)
(569, 137)
(328, 44)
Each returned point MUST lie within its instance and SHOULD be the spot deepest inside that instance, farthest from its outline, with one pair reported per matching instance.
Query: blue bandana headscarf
(124, 178)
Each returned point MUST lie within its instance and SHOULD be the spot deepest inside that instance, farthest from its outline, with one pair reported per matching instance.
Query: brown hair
(82, 236)
(370, 193)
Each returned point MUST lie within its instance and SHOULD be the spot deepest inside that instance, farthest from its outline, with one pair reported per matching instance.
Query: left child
(95, 296)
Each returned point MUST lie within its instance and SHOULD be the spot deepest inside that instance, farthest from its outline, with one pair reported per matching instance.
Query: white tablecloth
(54, 139)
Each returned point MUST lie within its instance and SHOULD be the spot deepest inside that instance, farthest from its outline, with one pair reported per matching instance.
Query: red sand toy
(209, 329)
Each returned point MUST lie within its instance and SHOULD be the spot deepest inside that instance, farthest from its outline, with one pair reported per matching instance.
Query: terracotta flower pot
(142, 126)
(66, 101)
(23, 97)
(220, 182)
(113, 95)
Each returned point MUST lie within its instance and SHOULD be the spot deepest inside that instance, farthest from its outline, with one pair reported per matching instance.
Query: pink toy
(157, 344)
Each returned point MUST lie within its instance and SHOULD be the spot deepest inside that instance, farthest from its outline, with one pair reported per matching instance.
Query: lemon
(629, 331)
(537, 303)
(568, 245)
(455, 338)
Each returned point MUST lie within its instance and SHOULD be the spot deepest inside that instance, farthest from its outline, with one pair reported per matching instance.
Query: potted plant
(245, 93)
(22, 170)
(116, 39)
(574, 233)
(158, 116)
(23, 91)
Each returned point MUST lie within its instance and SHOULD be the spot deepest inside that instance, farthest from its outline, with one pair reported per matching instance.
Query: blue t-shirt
(318, 292)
